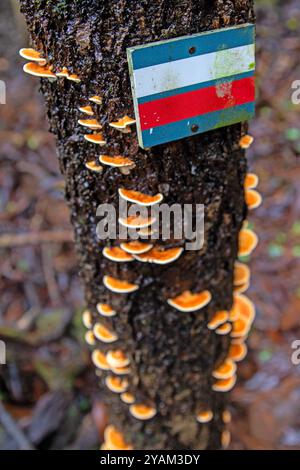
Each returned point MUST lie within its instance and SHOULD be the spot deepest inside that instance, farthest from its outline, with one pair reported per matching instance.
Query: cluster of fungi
(236, 323)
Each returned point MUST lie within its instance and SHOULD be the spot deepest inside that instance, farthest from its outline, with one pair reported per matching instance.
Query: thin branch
(35, 238)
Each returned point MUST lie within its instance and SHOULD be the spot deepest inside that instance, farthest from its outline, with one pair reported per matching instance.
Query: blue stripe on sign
(180, 129)
(197, 86)
(169, 51)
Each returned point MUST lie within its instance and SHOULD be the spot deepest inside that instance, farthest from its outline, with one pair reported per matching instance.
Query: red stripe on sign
(194, 103)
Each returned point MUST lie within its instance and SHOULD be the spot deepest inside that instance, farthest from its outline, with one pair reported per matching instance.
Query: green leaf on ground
(275, 250)
(265, 355)
(292, 134)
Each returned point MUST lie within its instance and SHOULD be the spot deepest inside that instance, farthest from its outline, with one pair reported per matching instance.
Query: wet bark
(172, 354)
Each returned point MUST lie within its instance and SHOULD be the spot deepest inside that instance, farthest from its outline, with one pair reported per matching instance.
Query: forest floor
(52, 398)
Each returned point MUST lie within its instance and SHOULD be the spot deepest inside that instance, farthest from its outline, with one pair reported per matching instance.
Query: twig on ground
(35, 238)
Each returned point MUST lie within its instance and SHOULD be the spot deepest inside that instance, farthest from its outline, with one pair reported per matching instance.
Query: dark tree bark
(172, 354)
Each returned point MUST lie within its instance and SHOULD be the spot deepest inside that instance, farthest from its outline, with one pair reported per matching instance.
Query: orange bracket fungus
(242, 288)
(90, 338)
(159, 255)
(142, 412)
(244, 307)
(136, 247)
(104, 334)
(251, 181)
(86, 110)
(99, 360)
(241, 274)
(240, 327)
(136, 221)
(127, 398)
(241, 277)
(116, 384)
(96, 99)
(32, 55)
(95, 138)
(253, 198)
(246, 141)
(223, 329)
(38, 70)
(140, 198)
(248, 241)
(117, 161)
(93, 166)
(204, 416)
(218, 319)
(237, 352)
(244, 314)
(119, 286)
(225, 370)
(87, 319)
(121, 370)
(73, 78)
(115, 253)
(189, 302)
(122, 123)
(114, 440)
(90, 123)
(105, 310)
(117, 358)
(224, 385)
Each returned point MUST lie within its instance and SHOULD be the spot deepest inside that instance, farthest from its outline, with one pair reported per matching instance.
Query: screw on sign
(188, 85)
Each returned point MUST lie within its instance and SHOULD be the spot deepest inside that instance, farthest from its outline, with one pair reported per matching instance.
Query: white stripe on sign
(199, 69)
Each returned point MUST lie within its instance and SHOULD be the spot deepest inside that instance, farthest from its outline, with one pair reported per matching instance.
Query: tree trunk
(172, 353)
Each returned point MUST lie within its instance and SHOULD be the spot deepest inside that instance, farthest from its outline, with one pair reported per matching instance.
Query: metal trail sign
(192, 84)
